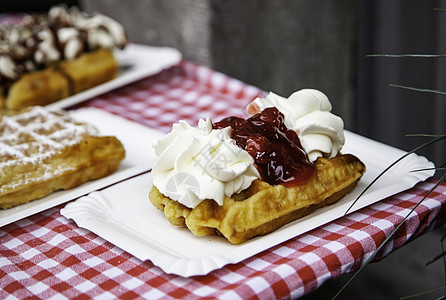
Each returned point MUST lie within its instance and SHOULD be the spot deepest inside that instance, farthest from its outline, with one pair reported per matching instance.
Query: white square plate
(123, 215)
(136, 62)
(137, 140)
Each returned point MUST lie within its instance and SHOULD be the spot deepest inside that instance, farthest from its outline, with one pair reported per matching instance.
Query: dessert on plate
(240, 178)
(45, 58)
(42, 151)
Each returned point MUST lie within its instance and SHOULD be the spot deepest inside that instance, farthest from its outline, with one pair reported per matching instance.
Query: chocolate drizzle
(35, 42)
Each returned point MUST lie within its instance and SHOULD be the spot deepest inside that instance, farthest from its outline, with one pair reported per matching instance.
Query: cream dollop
(308, 112)
(69, 38)
(47, 51)
(7, 67)
(198, 163)
(102, 31)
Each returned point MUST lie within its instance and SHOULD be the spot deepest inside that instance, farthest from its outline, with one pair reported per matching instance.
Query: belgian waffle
(42, 151)
(263, 208)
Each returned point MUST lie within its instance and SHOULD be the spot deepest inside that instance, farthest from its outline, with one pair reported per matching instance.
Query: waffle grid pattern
(29, 138)
(37, 133)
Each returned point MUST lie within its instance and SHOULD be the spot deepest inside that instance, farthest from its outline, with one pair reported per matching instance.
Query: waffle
(42, 151)
(263, 208)
(89, 70)
(38, 88)
(50, 56)
(61, 80)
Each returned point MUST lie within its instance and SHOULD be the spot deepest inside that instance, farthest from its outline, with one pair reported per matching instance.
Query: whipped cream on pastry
(278, 144)
(63, 33)
(308, 112)
(99, 31)
(46, 51)
(71, 41)
(198, 163)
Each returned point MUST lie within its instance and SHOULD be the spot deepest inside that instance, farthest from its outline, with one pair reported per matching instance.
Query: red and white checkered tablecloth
(47, 255)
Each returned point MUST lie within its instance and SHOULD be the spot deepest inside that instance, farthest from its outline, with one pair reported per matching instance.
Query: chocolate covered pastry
(49, 57)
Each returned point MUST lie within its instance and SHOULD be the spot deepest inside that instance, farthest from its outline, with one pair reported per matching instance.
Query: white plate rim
(137, 61)
(107, 124)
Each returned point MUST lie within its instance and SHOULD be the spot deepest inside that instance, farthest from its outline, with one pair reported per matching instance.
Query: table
(47, 255)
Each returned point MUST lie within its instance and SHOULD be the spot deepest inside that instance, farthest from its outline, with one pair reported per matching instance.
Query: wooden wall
(280, 45)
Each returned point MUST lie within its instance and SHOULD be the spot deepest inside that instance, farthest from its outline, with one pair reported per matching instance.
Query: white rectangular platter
(137, 140)
(136, 62)
(123, 215)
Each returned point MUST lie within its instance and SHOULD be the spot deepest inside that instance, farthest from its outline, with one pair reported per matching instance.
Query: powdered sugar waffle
(42, 151)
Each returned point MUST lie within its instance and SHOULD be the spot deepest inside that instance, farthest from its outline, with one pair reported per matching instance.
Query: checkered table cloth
(47, 255)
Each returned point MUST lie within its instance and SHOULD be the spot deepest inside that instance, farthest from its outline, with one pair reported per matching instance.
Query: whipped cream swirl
(201, 163)
(308, 112)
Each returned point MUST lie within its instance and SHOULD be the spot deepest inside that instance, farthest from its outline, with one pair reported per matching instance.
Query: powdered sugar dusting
(31, 138)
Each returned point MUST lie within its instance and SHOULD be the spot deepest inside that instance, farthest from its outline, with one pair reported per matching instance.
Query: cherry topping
(277, 152)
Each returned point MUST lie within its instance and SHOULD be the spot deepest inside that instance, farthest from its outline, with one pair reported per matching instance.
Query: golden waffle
(263, 208)
(63, 79)
(89, 70)
(42, 151)
(38, 88)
